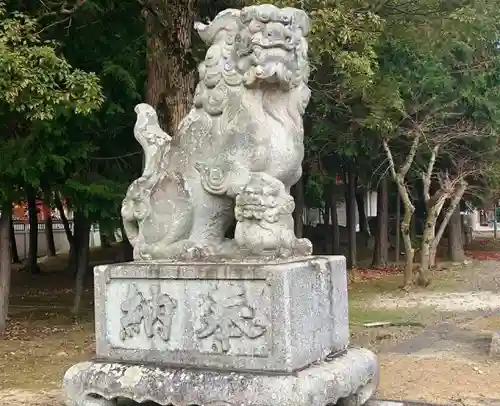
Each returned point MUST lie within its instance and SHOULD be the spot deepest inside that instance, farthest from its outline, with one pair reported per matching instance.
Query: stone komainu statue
(238, 151)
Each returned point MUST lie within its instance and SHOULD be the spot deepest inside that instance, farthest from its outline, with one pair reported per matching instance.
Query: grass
(412, 320)
(487, 323)
(360, 314)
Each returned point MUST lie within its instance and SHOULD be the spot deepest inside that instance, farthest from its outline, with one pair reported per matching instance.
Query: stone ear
(227, 20)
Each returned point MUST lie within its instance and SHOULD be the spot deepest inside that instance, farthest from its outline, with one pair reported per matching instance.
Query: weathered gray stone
(275, 316)
(352, 377)
(239, 149)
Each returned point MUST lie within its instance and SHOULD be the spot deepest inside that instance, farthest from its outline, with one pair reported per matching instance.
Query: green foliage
(438, 76)
(387, 69)
(379, 69)
(110, 158)
(433, 68)
(38, 86)
(34, 80)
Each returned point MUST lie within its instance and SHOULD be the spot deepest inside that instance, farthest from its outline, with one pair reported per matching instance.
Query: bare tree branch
(67, 11)
(411, 155)
(459, 192)
(427, 176)
(56, 9)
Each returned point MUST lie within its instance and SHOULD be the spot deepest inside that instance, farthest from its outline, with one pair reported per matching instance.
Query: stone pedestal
(232, 333)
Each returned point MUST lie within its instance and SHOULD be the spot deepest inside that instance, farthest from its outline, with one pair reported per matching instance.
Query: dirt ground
(446, 359)
(439, 354)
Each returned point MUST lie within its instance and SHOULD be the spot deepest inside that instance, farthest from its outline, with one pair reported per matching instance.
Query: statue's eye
(237, 38)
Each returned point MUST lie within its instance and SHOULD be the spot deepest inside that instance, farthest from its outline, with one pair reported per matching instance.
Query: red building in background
(20, 212)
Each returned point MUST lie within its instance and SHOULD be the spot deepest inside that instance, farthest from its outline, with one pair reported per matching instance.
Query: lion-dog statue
(238, 151)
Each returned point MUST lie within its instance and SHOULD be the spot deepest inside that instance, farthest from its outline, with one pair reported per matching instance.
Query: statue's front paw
(303, 247)
(197, 253)
(193, 253)
(142, 252)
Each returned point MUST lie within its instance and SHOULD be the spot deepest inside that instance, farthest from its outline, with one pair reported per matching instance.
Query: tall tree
(350, 183)
(82, 233)
(364, 227)
(13, 244)
(49, 231)
(381, 251)
(171, 63)
(455, 243)
(33, 230)
(335, 232)
(37, 85)
(436, 82)
(5, 265)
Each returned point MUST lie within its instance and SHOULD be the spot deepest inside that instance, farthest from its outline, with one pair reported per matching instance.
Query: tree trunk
(13, 244)
(381, 251)
(103, 236)
(454, 202)
(425, 250)
(33, 236)
(398, 227)
(350, 183)
(64, 219)
(455, 243)
(364, 227)
(409, 208)
(49, 232)
(467, 231)
(413, 228)
(112, 236)
(335, 223)
(409, 251)
(326, 241)
(104, 240)
(5, 264)
(326, 199)
(298, 196)
(171, 66)
(67, 230)
(79, 225)
(82, 256)
(428, 248)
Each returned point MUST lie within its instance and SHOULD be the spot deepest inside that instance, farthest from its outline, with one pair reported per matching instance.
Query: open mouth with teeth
(272, 65)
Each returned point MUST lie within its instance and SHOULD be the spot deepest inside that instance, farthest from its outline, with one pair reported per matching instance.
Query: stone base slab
(349, 379)
(274, 316)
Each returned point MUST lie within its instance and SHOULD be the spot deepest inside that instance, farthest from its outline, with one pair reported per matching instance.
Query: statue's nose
(275, 32)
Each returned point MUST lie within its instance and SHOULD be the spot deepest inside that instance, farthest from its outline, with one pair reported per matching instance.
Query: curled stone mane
(260, 47)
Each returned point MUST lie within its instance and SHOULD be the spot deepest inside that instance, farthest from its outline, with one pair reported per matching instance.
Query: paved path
(471, 402)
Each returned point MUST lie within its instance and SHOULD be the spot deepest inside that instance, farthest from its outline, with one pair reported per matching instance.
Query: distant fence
(21, 232)
(56, 226)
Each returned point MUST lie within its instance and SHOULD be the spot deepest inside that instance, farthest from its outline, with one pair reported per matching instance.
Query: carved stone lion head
(271, 47)
(260, 45)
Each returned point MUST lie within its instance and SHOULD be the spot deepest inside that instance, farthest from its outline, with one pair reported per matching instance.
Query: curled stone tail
(154, 141)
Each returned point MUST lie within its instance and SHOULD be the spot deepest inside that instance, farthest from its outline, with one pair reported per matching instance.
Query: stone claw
(303, 247)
